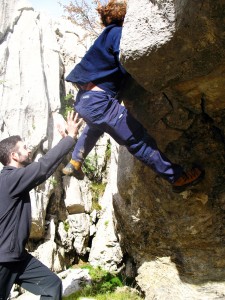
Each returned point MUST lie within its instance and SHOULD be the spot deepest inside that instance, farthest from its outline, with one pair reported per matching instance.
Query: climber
(17, 178)
(98, 78)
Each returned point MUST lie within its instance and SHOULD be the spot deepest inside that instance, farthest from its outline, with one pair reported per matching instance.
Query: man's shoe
(71, 171)
(188, 179)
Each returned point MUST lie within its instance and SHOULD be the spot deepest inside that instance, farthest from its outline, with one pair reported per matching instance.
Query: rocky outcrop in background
(174, 51)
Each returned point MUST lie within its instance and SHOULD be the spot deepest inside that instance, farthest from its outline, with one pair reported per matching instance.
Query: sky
(51, 7)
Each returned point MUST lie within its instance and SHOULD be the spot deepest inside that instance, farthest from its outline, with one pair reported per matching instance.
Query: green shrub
(117, 295)
(103, 282)
(97, 191)
(67, 104)
(103, 287)
(66, 226)
(89, 166)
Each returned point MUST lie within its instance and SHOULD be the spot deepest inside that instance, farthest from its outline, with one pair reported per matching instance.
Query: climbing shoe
(188, 179)
(73, 168)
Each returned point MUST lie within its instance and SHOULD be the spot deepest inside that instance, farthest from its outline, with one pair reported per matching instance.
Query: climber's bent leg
(105, 113)
(86, 143)
(129, 132)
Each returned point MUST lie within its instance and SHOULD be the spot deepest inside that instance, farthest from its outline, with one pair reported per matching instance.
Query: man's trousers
(31, 275)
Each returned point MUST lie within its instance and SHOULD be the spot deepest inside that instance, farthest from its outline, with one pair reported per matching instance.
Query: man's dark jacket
(15, 207)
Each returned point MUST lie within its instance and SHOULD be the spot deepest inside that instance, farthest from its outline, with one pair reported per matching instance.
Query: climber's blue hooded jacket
(100, 64)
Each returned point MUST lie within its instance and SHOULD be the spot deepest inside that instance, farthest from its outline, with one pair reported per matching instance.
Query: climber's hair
(113, 12)
(7, 146)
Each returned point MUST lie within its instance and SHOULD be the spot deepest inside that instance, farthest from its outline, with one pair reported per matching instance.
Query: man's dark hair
(7, 146)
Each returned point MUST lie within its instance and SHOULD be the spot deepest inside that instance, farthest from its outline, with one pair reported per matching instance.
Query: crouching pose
(18, 176)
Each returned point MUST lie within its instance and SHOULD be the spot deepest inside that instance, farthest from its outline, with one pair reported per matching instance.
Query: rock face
(105, 250)
(177, 45)
(175, 50)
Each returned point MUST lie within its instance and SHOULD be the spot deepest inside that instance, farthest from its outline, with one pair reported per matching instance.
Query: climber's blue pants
(103, 113)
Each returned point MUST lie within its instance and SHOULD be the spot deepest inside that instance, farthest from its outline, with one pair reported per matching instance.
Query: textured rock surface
(180, 62)
(179, 45)
(160, 279)
(105, 250)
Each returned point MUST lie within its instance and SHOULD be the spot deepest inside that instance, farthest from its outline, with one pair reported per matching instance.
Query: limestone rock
(105, 250)
(74, 233)
(39, 202)
(160, 279)
(10, 13)
(48, 254)
(76, 196)
(73, 280)
(174, 50)
(28, 296)
(79, 225)
(179, 45)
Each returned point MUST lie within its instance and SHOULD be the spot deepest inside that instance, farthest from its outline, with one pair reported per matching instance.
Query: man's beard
(26, 161)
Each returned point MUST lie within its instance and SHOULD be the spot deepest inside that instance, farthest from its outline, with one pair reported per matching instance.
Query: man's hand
(72, 124)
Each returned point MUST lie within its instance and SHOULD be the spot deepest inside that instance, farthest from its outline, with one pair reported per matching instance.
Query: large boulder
(175, 52)
(177, 45)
